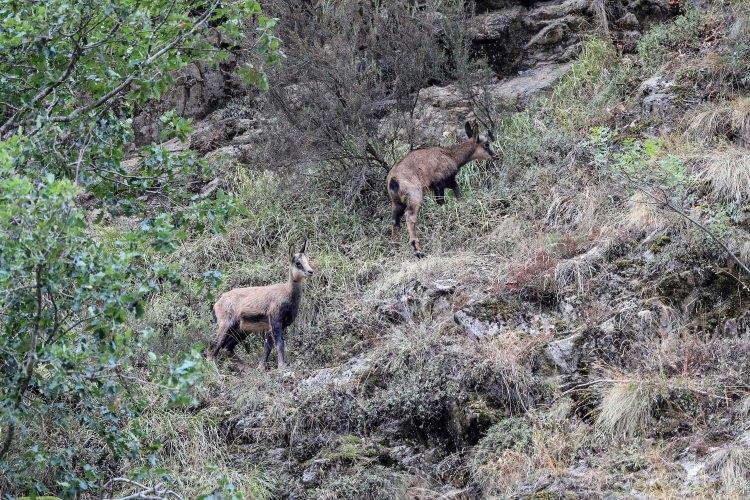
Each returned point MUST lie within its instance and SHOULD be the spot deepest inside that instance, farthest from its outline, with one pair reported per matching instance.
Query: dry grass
(196, 461)
(516, 452)
(643, 214)
(625, 409)
(599, 8)
(741, 119)
(581, 268)
(727, 174)
(464, 267)
(732, 465)
(709, 124)
(729, 121)
(580, 209)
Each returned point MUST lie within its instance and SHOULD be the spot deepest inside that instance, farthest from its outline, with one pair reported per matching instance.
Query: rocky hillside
(580, 325)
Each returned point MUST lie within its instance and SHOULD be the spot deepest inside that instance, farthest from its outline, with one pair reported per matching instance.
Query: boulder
(475, 328)
(562, 353)
(656, 94)
(350, 373)
(441, 111)
(495, 25)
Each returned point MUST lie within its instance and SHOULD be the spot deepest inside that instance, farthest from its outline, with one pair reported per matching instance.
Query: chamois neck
(294, 283)
(461, 153)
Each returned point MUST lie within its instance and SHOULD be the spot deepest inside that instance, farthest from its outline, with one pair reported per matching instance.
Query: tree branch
(30, 362)
(127, 81)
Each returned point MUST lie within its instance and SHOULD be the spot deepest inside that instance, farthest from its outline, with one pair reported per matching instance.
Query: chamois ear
(291, 252)
(303, 247)
(469, 130)
(476, 131)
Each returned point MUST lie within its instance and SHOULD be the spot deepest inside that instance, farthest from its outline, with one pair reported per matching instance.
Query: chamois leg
(222, 331)
(236, 336)
(453, 184)
(278, 337)
(411, 225)
(439, 195)
(267, 346)
(397, 213)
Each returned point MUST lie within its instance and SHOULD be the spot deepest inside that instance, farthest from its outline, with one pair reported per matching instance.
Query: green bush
(684, 33)
(72, 362)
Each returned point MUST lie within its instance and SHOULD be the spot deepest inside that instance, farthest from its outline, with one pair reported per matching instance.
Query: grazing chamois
(261, 309)
(431, 168)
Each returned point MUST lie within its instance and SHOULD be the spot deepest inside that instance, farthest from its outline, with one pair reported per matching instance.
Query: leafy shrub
(71, 359)
(684, 33)
(66, 346)
(512, 433)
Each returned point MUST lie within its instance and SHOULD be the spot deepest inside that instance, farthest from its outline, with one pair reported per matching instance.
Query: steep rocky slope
(575, 330)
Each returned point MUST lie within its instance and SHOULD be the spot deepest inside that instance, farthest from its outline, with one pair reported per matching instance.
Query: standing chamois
(431, 168)
(261, 309)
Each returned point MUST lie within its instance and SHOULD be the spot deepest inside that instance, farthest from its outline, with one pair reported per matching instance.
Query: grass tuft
(727, 122)
(727, 174)
(732, 465)
(625, 409)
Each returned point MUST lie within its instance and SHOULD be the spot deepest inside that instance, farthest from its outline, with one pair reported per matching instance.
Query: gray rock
(628, 22)
(211, 187)
(475, 328)
(277, 454)
(562, 353)
(550, 34)
(656, 103)
(656, 94)
(494, 25)
(561, 9)
(311, 476)
(396, 309)
(608, 326)
(350, 373)
(740, 30)
(530, 83)
(441, 111)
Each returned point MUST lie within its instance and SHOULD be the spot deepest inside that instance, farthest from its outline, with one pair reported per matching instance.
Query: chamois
(261, 309)
(432, 168)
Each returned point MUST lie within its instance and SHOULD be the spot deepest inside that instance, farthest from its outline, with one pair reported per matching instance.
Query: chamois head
(483, 149)
(299, 267)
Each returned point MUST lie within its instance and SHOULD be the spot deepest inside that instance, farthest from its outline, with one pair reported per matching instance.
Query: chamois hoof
(262, 366)
(419, 254)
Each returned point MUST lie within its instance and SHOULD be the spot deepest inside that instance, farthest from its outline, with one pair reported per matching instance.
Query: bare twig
(665, 202)
(156, 492)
